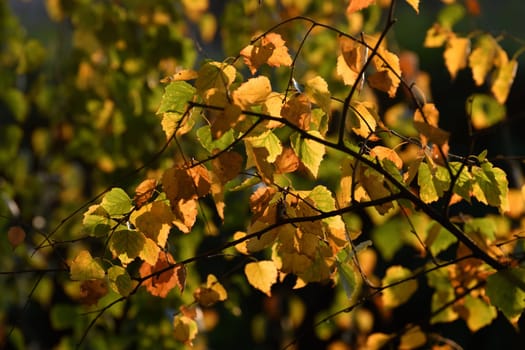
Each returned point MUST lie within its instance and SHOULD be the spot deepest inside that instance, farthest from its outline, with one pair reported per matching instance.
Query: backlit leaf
(120, 281)
(227, 166)
(287, 161)
(477, 313)
(211, 292)
(504, 79)
(436, 36)
(481, 60)
(505, 290)
(185, 212)
(347, 274)
(126, 244)
(207, 141)
(400, 293)
(154, 220)
(92, 290)
(268, 141)
(414, 338)
(317, 90)
(270, 50)
(310, 152)
(382, 152)
(159, 284)
(96, 221)
(490, 185)
(253, 91)
(116, 202)
(261, 275)
(414, 4)
(185, 329)
(216, 75)
(297, 110)
(144, 191)
(356, 5)
(388, 72)
(485, 111)
(84, 267)
(363, 120)
(186, 183)
(175, 98)
(432, 182)
(456, 54)
(351, 60)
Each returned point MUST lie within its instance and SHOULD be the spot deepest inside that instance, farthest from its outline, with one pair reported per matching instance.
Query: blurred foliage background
(79, 87)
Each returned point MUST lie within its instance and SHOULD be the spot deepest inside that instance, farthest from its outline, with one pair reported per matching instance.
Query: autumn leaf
(504, 293)
(436, 36)
(144, 191)
(414, 4)
(357, 5)
(433, 182)
(351, 60)
(476, 312)
(363, 119)
(154, 220)
(84, 267)
(120, 281)
(456, 54)
(116, 202)
(225, 120)
(271, 50)
(268, 141)
(182, 75)
(252, 92)
(185, 212)
(316, 89)
(210, 293)
(397, 294)
(160, 284)
(185, 183)
(216, 75)
(261, 275)
(482, 58)
(227, 166)
(287, 161)
(126, 245)
(297, 110)
(176, 97)
(185, 329)
(310, 152)
(382, 152)
(92, 290)
(388, 70)
(485, 111)
(16, 236)
(504, 79)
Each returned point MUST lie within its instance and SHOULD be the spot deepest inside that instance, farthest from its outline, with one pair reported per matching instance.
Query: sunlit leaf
(185, 183)
(126, 244)
(215, 75)
(211, 292)
(154, 220)
(297, 110)
(413, 339)
(116, 202)
(505, 289)
(317, 90)
(456, 54)
(351, 60)
(207, 141)
(310, 152)
(253, 91)
(268, 141)
(481, 60)
(504, 79)
(144, 191)
(485, 111)
(261, 275)
(84, 267)
(382, 152)
(92, 290)
(400, 293)
(477, 313)
(160, 283)
(436, 36)
(175, 98)
(287, 161)
(388, 72)
(363, 120)
(185, 329)
(432, 182)
(120, 281)
(414, 4)
(356, 5)
(271, 50)
(490, 185)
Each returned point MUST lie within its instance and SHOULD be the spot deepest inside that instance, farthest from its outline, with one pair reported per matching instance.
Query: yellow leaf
(504, 79)
(356, 5)
(182, 75)
(317, 90)
(84, 267)
(253, 91)
(144, 191)
(398, 294)
(185, 212)
(482, 58)
(436, 36)
(185, 329)
(414, 4)
(216, 75)
(388, 72)
(261, 275)
(210, 293)
(154, 220)
(270, 50)
(186, 183)
(377, 341)
(382, 152)
(413, 339)
(456, 54)
(149, 252)
(363, 120)
(351, 60)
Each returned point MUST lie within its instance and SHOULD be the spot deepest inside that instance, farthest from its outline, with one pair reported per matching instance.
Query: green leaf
(480, 314)
(444, 294)
(176, 97)
(463, 184)
(387, 239)
(116, 202)
(310, 152)
(127, 244)
(317, 90)
(485, 111)
(451, 14)
(432, 183)
(347, 276)
(324, 201)
(96, 221)
(269, 141)
(490, 186)
(61, 316)
(210, 144)
(506, 291)
(400, 293)
(485, 226)
(120, 281)
(439, 239)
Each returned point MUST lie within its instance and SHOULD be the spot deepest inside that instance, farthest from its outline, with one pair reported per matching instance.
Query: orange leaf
(154, 220)
(144, 191)
(92, 290)
(270, 50)
(287, 162)
(456, 54)
(227, 166)
(225, 120)
(356, 5)
(297, 110)
(351, 60)
(382, 152)
(186, 183)
(161, 284)
(388, 72)
(185, 214)
(16, 236)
